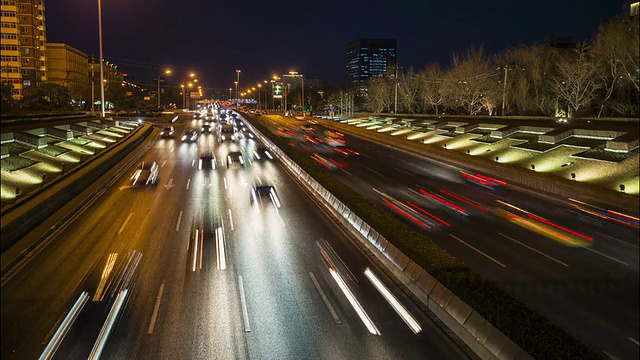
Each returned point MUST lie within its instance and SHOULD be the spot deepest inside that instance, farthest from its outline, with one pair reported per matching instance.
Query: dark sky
(263, 38)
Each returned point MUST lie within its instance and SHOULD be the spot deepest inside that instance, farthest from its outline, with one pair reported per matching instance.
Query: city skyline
(264, 41)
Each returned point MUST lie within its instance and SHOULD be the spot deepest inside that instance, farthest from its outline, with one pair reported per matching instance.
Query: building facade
(368, 58)
(23, 45)
(69, 67)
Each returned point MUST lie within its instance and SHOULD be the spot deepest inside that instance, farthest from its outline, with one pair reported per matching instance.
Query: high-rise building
(23, 36)
(368, 58)
(69, 67)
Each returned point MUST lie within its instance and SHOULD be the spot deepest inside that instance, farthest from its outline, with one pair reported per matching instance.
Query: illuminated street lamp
(101, 60)
(237, 82)
(165, 72)
(184, 89)
(230, 89)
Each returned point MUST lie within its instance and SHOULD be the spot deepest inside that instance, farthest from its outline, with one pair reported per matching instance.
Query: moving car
(145, 174)
(265, 192)
(227, 132)
(207, 161)
(206, 128)
(307, 128)
(235, 157)
(285, 133)
(190, 136)
(168, 132)
(262, 153)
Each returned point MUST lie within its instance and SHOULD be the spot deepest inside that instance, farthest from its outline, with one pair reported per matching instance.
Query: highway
(196, 270)
(583, 278)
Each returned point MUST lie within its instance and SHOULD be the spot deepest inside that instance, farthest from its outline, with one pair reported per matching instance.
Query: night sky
(263, 38)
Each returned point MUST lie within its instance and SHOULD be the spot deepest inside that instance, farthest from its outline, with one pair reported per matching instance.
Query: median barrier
(487, 342)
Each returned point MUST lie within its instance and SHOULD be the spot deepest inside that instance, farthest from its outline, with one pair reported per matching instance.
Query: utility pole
(504, 90)
(93, 86)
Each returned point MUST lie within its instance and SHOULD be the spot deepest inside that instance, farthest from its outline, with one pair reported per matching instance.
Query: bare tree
(616, 52)
(379, 94)
(408, 90)
(430, 87)
(467, 80)
(576, 82)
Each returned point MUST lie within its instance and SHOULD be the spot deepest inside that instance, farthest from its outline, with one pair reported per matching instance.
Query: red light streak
(475, 178)
(427, 213)
(559, 227)
(491, 179)
(405, 213)
(450, 204)
(464, 200)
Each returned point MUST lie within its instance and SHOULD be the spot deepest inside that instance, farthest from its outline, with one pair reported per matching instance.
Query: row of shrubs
(533, 333)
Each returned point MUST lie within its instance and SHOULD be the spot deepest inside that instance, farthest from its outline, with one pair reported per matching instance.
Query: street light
(237, 82)
(184, 89)
(101, 60)
(165, 72)
(230, 89)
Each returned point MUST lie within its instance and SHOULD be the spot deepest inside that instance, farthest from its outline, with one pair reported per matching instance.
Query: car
(307, 129)
(206, 128)
(246, 133)
(196, 116)
(190, 136)
(146, 174)
(168, 132)
(262, 153)
(235, 157)
(227, 132)
(207, 160)
(260, 192)
(283, 132)
(328, 163)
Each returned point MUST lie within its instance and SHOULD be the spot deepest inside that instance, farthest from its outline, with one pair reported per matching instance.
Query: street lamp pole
(230, 89)
(166, 72)
(395, 108)
(238, 84)
(504, 90)
(101, 59)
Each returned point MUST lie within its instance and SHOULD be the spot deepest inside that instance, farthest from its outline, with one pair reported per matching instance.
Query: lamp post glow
(184, 88)
(237, 82)
(166, 72)
(101, 60)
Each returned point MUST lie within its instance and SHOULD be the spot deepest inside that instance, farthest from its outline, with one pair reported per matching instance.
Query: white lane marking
(373, 171)
(156, 307)
(605, 255)
(193, 162)
(221, 255)
(195, 251)
(225, 183)
(325, 299)
(125, 223)
(532, 249)
(188, 182)
(633, 340)
(245, 313)
(408, 319)
(230, 220)
(346, 172)
(404, 171)
(171, 150)
(480, 252)
(179, 220)
(201, 248)
(364, 317)
(163, 163)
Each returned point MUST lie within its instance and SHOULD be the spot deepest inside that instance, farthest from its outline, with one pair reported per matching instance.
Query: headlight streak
(108, 325)
(222, 262)
(354, 303)
(195, 250)
(106, 271)
(395, 304)
(64, 327)
(255, 153)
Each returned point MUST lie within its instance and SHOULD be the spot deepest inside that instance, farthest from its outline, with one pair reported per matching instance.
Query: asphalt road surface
(191, 268)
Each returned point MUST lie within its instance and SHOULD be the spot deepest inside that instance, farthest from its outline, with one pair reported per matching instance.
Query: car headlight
(184, 137)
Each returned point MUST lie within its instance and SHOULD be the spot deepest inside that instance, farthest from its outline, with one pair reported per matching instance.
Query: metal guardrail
(481, 336)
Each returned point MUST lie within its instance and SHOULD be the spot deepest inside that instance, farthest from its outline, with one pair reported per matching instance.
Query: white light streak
(355, 304)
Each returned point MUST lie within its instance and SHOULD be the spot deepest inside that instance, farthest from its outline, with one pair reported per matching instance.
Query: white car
(145, 174)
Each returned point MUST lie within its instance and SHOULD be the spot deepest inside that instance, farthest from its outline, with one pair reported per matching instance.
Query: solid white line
(605, 255)
(245, 313)
(480, 252)
(179, 220)
(125, 223)
(156, 307)
(370, 169)
(230, 220)
(324, 298)
(530, 248)
(188, 182)
(163, 163)
(406, 316)
(633, 341)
